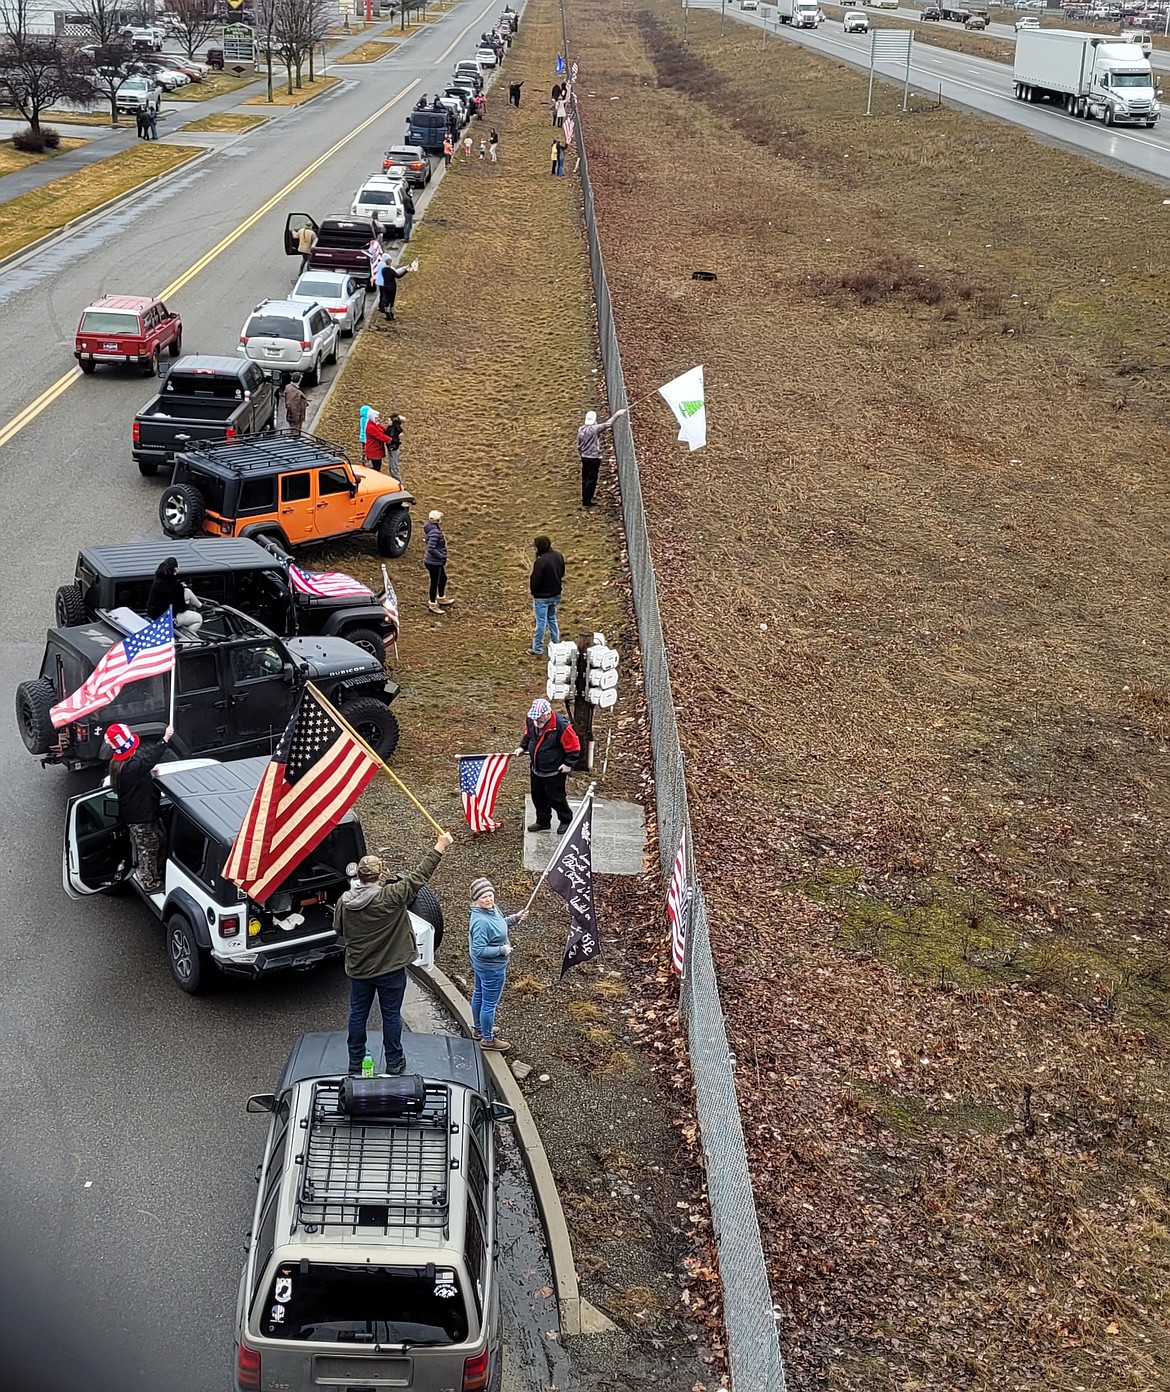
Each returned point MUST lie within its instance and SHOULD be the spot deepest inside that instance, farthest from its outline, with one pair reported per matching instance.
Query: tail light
(225, 529)
(243, 341)
(230, 434)
(229, 927)
(475, 1372)
(247, 1366)
(305, 345)
(416, 164)
(137, 433)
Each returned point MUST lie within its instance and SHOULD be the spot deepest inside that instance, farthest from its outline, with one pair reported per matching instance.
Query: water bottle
(368, 1065)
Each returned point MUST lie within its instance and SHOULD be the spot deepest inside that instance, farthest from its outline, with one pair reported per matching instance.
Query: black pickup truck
(202, 399)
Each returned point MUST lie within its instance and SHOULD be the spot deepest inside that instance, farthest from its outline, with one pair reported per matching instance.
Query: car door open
(97, 856)
(294, 223)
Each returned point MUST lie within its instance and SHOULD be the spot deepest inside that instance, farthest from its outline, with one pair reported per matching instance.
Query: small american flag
(326, 584)
(389, 600)
(568, 127)
(678, 906)
(148, 653)
(318, 772)
(479, 782)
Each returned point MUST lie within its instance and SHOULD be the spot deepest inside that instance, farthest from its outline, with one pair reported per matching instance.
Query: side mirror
(262, 1102)
(503, 1113)
(289, 672)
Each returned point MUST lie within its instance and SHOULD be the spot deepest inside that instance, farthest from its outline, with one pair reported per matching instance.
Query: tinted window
(350, 1304)
(257, 495)
(106, 321)
(188, 846)
(213, 384)
(343, 237)
(332, 481)
(403, 153)
(294, 487)
(320, 321)
(319, 289)
(378, 197)
(197, 672)
(475, 1252)
(273, 326)
(256, 661)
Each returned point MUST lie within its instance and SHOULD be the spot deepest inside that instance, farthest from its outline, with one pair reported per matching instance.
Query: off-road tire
(426, 904)
(394, 532)
(368, 639)
(184, 503)
(375, 722)
(87, 365)
(175, 347)
(69, 606)
(33, 702)
(190, 964)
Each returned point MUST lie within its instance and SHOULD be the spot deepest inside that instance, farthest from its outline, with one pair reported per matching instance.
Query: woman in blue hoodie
(490, 949)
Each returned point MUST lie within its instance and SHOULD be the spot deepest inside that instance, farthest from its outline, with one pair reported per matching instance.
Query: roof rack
(371, 1174)
(276, 451)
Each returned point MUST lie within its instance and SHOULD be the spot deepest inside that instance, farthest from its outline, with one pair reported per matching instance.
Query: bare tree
(37, 70)
(192, 22)
(113, 53)
(264, 19)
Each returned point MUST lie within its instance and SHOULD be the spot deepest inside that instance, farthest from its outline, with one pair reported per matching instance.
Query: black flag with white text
(571, 875)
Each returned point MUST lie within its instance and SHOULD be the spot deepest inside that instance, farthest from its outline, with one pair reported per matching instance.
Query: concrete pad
(619, 837)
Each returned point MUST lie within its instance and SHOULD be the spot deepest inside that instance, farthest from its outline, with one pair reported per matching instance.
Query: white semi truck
(801, 14)
(1090, 75)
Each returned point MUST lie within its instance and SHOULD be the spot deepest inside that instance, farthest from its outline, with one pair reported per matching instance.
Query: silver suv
(290, 336)
(372, 1256)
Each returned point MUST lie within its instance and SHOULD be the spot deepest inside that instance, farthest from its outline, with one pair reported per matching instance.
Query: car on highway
(931, 12)
(127, 329)
(292, 491)
(211, 926)
(976, 21)
(373, 1254)
(855, 22)
(243, 574)
(749, 4)
(139, 92)
(1027, 22)
(412, 160)
(342, 242)
(339, 292)
(236, 686)
(290, 336)
(380, 198)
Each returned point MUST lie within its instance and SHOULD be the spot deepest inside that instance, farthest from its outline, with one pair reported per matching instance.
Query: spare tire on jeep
(426, 904)
(181, 510)
(70, 606)
(34, 700)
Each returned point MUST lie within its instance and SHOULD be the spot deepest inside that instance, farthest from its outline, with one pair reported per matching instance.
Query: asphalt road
(126, 1157)
(986, 87)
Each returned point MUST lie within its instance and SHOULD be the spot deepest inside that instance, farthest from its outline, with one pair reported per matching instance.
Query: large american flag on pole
(678, 906)
(479, 782)
(326, 584)
(148, 653)
(316, 775)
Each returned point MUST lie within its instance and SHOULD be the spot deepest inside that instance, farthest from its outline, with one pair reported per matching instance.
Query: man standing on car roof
(139, 797)
(372, 918)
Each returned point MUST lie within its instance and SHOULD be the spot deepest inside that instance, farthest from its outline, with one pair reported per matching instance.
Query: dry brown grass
(225, 121)
(32, 215)
(914, 597)
(214, 84)
(368, 52)
(281, 96)
(12, 159)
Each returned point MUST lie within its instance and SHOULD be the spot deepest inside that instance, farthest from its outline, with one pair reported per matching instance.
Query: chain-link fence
(752, 1345)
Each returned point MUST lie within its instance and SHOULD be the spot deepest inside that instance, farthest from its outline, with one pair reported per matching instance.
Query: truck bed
(177, 410)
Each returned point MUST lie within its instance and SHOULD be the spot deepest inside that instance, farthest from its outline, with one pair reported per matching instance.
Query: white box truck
(1090, 75)
(801, 14)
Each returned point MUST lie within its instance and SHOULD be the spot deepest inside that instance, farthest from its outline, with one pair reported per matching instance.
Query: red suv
(127, 329)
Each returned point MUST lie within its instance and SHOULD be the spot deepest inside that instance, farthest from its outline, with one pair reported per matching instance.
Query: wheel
(394, 532)
(181, 510)
(150, 367)
(87, 365)
(148, 467)
(368, 639)
(34, 699)
(1108, 115)
(375, 722)
(190, 964)
(175, 348)
(1150, 125)
(428, 908)
(70, 606)
(313, 376)
(331, 357)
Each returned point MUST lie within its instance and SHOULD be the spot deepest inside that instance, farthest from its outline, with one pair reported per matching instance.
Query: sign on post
(889, 46)
(238, 45)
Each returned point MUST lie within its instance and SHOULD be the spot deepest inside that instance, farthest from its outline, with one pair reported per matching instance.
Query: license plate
(272, 352)
(110, 347)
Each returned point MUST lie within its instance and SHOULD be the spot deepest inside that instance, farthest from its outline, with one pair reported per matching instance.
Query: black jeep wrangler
(243, 574)
(238, 684)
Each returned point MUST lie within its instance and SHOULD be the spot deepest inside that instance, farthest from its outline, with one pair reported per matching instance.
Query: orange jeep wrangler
(294, 491)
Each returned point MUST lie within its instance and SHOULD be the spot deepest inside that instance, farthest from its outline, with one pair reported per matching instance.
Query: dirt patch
(913, 594)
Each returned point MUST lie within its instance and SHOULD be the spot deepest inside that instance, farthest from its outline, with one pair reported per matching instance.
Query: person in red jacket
(377, 441)
(553, 749)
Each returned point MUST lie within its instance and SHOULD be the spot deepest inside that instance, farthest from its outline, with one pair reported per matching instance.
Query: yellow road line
(62, 384)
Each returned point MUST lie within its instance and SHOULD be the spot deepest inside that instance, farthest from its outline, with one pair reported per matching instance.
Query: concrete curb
(578, 1316)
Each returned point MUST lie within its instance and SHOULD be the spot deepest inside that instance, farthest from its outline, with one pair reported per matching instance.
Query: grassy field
(281, 96)
(12, 159)
(368, 52)
(214, 84)
(32, 215)
(914, 596)
(225, 121)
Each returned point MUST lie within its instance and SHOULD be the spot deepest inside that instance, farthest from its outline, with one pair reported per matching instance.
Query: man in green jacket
(373, 920)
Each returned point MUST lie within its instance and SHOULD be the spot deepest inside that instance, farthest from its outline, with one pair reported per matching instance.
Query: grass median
(225, 121)
(12, 160)
(913, 594)
(44, 210)
(368, 52)
(281, 96)
(214, 84)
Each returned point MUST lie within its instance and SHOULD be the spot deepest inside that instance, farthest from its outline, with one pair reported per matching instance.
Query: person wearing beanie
(544, 584)
(489, 948)
(372, 918)
(589, 450)
(435, 560)
(139, 797)
(553, 750)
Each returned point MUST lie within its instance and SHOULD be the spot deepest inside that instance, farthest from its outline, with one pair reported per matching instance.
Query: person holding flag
(553, 748)
(489, 948)
(589, 450)
(139, 797)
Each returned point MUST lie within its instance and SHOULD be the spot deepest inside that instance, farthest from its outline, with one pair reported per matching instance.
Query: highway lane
(126, 1157)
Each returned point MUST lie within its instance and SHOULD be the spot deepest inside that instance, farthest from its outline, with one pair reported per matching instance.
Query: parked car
(414, 162)
(211, 926)
(127, 329)
(339, 292)
(139, 92)
(144, 38)
(855, 22)
(374, 1249)
(380, 197)
(290, 336)
(470, 69)
(292, 492)
(430, 128)
(201, 399)
(486, 56)
(342, 242)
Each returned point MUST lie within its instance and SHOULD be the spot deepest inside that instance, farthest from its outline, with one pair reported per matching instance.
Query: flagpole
(503, 753)
(341, 720)
(174, 672)
(385, 594)
(572, 827)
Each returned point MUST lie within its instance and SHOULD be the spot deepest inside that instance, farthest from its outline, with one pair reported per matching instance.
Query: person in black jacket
(167, 591)
(548, 573)
(139, 797)
(408, 209)
(553, 749)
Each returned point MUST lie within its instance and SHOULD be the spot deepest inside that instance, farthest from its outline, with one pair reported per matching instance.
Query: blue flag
(560, 64)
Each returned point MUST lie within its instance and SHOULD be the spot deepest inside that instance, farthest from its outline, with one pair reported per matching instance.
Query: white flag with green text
(684, 396)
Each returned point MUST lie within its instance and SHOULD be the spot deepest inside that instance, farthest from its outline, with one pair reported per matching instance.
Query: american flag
(568, 127)
(678, 906)
(479, 782)
(318, 772)
(148, 653)
(327, 584)
(389, 600)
